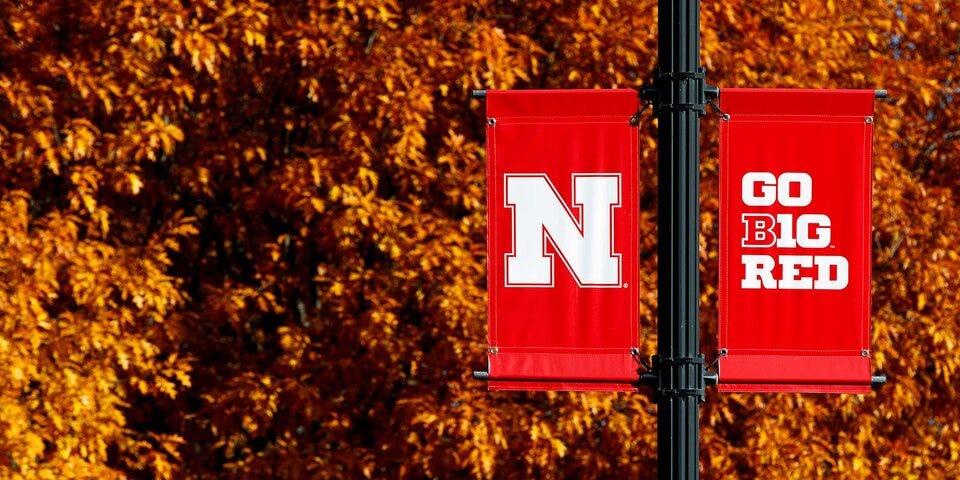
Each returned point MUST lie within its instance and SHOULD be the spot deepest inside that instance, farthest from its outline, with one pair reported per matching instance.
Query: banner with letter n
(562, 209)
(794, 298)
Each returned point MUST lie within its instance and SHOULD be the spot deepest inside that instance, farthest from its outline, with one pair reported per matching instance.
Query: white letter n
(539, 214)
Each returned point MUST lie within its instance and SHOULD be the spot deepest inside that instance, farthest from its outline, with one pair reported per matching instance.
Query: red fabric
(564, 336)
(809, 338)
(791, 388)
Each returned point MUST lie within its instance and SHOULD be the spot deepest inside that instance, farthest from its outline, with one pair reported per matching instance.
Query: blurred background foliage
(246, 239)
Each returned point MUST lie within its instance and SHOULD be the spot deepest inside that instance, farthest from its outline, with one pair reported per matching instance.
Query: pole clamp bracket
(678, 92)
(675, 377)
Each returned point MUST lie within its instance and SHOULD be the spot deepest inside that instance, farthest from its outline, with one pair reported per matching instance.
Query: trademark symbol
(625, 285)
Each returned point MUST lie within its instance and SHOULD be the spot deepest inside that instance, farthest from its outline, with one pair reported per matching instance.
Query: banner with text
(563, 245)
(794, 299)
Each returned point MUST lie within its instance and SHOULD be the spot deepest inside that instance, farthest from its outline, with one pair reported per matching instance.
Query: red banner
(563, 245)
(795, 240)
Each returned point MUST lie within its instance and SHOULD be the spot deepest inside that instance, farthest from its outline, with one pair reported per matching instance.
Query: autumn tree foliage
(245, 239)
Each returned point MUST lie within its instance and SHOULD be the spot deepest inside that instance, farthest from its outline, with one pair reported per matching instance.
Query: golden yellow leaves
(459, 158)
(252, 17)
(25, 98)
(295, 343)
(79, 136)
(368, 179)
(62, 361)
(499, 61)
(150, 46)
(76, 140)
(483, 438)
(204, 51)
(930, 92)
(208, 44)
(84, 80)
(70, 418)
(261, 226)
(152, 134)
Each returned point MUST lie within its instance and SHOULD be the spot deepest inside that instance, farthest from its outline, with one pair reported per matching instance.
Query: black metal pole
(679, 103)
